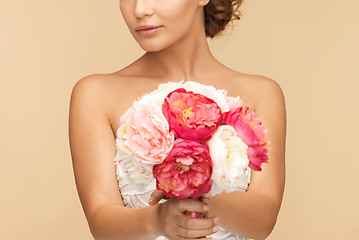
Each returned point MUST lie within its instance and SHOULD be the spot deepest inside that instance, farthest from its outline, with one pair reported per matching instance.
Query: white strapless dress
(137, 197)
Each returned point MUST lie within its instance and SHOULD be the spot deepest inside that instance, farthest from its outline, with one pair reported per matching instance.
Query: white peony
(234, 103)
(230, 161)
(129, 169)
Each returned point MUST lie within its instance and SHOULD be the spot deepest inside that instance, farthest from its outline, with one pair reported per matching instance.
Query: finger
(182, 238)
(176, 237)
(205, 199)
(197, 223)
(192, 205)
(196, 233)
(156, 196)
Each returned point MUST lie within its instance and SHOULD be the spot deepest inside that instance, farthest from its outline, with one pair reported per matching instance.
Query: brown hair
(218, 13)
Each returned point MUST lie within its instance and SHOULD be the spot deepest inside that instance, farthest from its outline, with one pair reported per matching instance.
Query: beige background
(309, 47)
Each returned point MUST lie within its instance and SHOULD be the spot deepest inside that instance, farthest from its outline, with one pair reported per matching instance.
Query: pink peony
(191, 116)
(148, 134)
(186, 172)
(249, 129)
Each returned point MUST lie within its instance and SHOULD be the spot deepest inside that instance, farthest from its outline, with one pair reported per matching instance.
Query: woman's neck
(189, 59)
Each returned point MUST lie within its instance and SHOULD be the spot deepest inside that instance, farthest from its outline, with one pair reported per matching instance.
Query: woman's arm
(93, 148)
(254, 213)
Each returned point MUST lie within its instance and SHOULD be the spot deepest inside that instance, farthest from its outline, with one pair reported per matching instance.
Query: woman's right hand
(174, 224)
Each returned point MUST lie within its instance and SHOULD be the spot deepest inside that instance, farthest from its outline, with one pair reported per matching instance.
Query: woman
(176, 48)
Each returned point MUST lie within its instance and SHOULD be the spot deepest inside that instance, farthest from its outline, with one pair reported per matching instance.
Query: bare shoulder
(90, 83)
(269, 99)
(260, 91)
(94, 86)
(266, 97)
(88, 88)
(269, 89)
(108, 95)
(100, 90)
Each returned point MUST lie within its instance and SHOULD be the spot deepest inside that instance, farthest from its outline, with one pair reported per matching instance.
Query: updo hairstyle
(218, 13)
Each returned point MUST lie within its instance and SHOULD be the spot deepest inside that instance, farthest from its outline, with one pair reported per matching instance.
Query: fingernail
(149, 201)
(205, 200)
(216, 220)
(205, 208)
(215, 229)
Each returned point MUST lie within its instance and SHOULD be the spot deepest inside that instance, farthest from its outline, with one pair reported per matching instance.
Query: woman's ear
(203, 2)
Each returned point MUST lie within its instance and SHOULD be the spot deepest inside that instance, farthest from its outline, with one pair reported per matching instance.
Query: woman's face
(176, 19)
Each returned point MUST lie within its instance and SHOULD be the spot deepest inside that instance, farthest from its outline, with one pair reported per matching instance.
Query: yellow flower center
(182, 166)
(227, 157)
(187, 112)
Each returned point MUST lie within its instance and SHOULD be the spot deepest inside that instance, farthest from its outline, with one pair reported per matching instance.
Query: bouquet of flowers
(192, 138)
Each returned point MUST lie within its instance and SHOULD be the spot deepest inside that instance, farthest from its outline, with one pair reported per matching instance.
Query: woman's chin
(151, 45)
(151, 48)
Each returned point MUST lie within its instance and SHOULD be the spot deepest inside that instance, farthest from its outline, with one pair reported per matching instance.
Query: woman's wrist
(153, 223)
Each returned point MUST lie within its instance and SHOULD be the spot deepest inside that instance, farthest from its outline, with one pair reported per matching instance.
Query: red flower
(191, 116)
(186, 172)
(249, 129)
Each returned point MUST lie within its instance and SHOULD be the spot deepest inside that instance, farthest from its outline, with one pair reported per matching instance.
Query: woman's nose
(143, 8)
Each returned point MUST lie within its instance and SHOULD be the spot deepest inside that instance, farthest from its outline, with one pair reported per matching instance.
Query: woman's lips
(148, 31)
